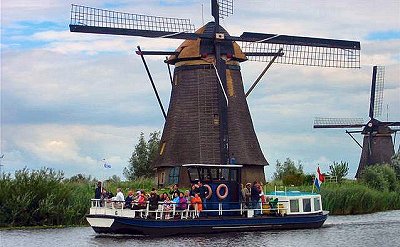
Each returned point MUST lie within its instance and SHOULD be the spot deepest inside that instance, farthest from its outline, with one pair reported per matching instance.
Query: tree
(289, 173)
(381, 177)
(287, 168)
(144, 154)
(339, 170)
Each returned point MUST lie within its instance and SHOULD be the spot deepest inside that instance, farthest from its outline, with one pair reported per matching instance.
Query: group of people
(189, 199)
(253, 196)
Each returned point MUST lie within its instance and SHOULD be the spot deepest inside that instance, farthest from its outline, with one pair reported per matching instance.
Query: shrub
(380, 177)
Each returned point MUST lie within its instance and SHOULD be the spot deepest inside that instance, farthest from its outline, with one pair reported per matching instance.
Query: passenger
(196, 203)
(163, 196)
(167, 207)
(188, 197)
(175, 200)
(120, 196)
(246, 194)
(153, 202)
(203, 193)
(129, 200)
(182, 202)
(174, 189)
(255, 197)
(193, 189)
(97, 191)
(119, 199)
(140, 201)
(153, 190)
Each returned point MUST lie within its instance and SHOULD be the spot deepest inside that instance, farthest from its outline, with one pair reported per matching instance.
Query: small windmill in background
(377, 144)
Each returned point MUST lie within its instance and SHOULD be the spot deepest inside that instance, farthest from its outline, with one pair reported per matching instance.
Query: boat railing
(164, 210)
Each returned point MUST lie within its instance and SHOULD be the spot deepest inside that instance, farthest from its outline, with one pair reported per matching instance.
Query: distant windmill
(377, 144)
(208, 119)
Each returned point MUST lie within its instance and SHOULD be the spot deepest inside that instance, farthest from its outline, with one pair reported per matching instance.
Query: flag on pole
(319, 179)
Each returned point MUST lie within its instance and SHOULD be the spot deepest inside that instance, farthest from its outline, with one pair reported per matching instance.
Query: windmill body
(192, 130)
(377, 146)
(208, 119)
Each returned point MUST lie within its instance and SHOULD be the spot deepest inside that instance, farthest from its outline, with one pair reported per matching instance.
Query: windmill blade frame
(93, 20)
(302, 50)
(379, 87)
(321, 122)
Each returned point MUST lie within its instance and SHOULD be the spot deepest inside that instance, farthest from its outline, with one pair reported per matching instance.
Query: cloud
(71, 148)
(69, 99)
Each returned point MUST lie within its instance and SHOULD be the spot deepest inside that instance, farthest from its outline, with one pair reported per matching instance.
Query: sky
(70, 100)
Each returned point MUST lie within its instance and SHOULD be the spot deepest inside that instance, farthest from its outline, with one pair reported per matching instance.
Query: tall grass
(357, 198)
(42, 197)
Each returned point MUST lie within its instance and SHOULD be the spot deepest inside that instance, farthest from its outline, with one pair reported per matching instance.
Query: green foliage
(380, 177)
(288, 167)
(144, 154)
(37, 197)
(339, 170)
(293, 179)
(42, 197)
(396, 164)
(357, 198)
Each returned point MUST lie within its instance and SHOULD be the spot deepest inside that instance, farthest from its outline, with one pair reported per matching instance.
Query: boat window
(224, 174)
(233, 175)
(174, 175)
(294, 206)
(306, 205)
(317, 204)
(193, 174)
(205, 174)
(214, 174)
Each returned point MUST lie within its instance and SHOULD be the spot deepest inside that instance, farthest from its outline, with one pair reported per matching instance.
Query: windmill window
(216, 119)
(161, 178)
(173, 175)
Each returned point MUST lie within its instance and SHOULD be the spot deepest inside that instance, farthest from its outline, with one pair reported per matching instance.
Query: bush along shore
(44, 198)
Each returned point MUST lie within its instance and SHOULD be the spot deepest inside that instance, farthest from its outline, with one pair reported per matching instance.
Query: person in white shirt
(119, 199)
(119, 196)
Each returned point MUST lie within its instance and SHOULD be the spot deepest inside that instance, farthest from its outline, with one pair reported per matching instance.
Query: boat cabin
(223, 184)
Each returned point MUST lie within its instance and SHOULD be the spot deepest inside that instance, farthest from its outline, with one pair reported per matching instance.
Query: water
(361, 230)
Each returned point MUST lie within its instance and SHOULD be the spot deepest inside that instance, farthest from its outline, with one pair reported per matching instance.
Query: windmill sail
(324, 122)
(101, 21)
(377, 91)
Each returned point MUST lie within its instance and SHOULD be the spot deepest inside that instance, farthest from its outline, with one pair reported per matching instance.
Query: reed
(357, 198)
(43, 198)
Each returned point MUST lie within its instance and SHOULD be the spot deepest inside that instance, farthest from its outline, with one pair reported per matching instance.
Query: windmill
(377, 144)
(208, 119)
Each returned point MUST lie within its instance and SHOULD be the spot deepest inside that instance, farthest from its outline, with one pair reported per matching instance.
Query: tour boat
(224, 209)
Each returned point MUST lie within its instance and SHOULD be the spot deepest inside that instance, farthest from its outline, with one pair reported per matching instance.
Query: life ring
(218, 191)
(209, 191)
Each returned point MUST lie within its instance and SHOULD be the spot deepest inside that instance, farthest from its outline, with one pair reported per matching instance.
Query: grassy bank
(357, 198)
(351, 197)
(44, 198)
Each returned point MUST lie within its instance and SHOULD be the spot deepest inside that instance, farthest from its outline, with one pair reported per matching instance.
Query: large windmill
(208, 119)
(377, 144)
